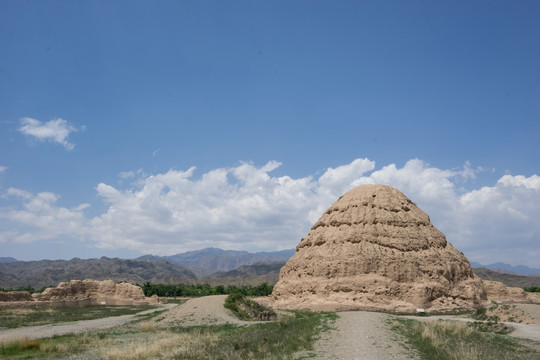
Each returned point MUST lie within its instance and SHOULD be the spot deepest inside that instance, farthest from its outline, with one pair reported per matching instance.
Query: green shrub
(247, 309)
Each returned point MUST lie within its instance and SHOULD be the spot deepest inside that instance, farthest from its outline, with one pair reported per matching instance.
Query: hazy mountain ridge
(7, 259)
(254, 274)
(508, 269)
(507, 279)
(211, 260)
(256, 269)
(50, 272)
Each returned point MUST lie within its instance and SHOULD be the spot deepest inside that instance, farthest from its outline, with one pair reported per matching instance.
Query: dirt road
(360, 335)
(43, 331)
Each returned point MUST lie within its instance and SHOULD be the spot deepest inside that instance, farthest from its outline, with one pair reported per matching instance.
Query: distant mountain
(7, 259)
(508, 269)
(256, 269)
(507, 279)
(210, 260)
(254, 274)
(50, 272)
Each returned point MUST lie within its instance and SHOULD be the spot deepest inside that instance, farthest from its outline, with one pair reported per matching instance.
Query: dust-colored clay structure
(374, 249)
(497, 291)
(81, 293)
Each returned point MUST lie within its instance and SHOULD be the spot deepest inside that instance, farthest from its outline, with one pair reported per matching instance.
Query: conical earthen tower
(374, 249)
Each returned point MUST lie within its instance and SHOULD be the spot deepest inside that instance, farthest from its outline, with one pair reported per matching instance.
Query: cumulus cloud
(56, 130)
(39, 218)
(500, 220)
(247, 207)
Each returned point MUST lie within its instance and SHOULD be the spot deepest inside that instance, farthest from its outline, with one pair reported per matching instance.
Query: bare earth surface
(363, 336)
(44, 331)
(528, 331)
(207, 310)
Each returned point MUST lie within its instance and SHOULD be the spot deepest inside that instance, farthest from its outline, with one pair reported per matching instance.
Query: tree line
(173, 290)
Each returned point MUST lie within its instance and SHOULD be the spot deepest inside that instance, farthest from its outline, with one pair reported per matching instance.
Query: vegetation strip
(453, 340)
(246, 309)
(189, 290)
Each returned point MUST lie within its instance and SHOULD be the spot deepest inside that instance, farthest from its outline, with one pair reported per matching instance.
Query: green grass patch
(273, 340)
(453, 340)
(20, 347)
(19, 317)
(246, 309)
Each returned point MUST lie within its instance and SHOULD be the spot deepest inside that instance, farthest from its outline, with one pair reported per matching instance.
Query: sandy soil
(528, 331)
(207, 310)
(533, 311)
(44, 331)
(361, 335)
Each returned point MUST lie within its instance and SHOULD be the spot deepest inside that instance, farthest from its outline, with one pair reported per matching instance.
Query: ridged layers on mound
(374, 249)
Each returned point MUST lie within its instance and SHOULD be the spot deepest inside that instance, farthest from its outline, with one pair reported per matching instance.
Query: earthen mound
(15, 296)
(80, 293)
(497, 291)
(374, 249)
(92, 292)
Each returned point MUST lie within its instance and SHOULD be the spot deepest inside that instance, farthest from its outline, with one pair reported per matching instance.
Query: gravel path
(44, 331)
(363, 336)
(207, 310)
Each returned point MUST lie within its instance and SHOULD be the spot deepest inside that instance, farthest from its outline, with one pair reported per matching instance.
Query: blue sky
(132, 127)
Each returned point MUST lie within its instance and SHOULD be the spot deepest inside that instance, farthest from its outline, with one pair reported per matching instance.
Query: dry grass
(152, 347)
(148, 326)
(454, 340)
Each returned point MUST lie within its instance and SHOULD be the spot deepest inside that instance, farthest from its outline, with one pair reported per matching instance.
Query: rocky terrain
(374, 249)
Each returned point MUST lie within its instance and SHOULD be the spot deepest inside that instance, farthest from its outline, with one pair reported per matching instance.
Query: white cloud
(39, 218)
(56, 130)
(246, 207)
(3, 168)
(500, 220)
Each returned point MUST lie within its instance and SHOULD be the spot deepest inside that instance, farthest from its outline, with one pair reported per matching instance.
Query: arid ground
(353, 335)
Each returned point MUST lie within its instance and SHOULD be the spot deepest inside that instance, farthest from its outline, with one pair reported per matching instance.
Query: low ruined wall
(497, 291)
(15, 296)
(80, 293)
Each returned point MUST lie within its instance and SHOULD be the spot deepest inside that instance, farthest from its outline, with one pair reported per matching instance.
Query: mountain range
(211, 265)
(50, 272)
(189, 267)
(209, 260)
